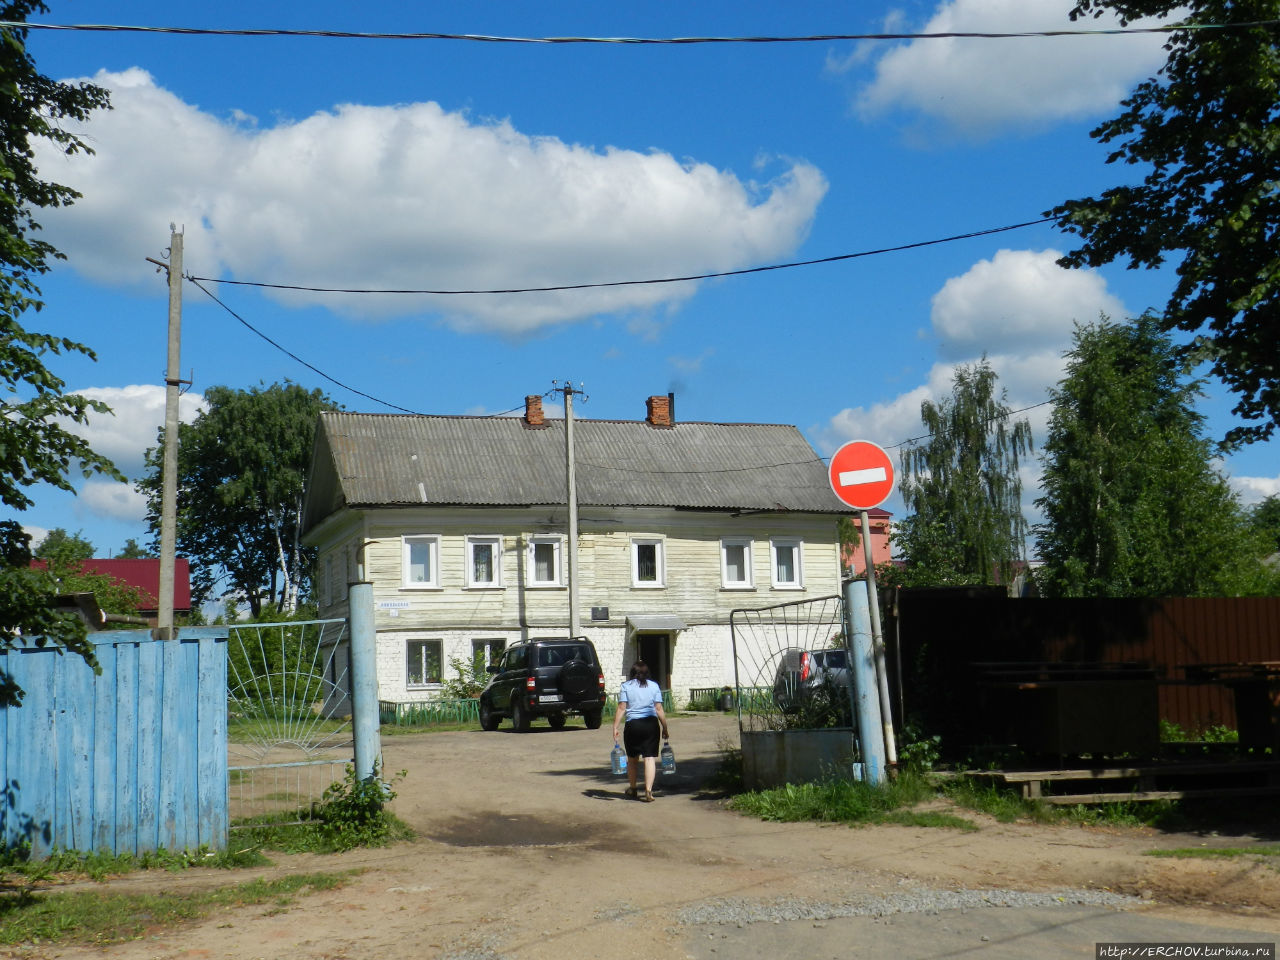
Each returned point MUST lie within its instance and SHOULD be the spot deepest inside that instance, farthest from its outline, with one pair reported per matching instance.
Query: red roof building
(145, 575)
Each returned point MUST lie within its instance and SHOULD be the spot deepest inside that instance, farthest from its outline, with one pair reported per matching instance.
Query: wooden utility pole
(169, 476)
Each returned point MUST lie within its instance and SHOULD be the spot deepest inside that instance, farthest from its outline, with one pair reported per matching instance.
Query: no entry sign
(861, 474)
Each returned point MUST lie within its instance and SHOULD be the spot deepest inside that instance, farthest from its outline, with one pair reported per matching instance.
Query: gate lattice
(289, 730)
(765, 641)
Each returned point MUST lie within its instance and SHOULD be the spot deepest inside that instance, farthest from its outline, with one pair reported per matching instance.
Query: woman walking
(641, 717)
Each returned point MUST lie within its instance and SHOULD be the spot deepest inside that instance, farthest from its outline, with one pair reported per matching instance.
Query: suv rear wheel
(519, 716)
(576, 680)
(593, 718)
(488, 719)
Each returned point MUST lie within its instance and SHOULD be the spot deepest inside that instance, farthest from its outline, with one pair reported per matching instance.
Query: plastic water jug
(668, 758)
(618, 760)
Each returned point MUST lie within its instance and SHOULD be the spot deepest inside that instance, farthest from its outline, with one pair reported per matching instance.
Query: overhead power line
(289, 353)
(650, 41)
(633, 283)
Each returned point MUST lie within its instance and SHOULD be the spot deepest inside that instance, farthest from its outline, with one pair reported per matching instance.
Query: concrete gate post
(364, 680)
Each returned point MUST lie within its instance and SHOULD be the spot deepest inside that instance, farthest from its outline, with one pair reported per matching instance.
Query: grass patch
(100, 866)
(92, 917)
(848, 801)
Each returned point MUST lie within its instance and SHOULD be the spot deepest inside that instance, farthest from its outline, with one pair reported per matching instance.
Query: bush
(351, 811)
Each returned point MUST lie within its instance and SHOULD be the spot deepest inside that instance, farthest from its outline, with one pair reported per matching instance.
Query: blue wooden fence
(130, 761)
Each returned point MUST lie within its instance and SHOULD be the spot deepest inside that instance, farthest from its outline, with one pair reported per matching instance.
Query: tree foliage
(65, 555)
(1207, 131)
(1133, 505)
(963, 489)
(242, 468)
(35, 444)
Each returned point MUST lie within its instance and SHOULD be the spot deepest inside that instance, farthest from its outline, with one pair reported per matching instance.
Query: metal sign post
(861, 475)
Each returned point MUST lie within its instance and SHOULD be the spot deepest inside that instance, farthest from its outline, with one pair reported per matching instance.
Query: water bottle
(618, 760)
(668, 757)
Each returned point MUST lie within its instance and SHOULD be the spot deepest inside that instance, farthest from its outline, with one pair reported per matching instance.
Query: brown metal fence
(942, 633)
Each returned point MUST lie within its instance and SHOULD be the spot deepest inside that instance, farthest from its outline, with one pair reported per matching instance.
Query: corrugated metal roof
(390, 459)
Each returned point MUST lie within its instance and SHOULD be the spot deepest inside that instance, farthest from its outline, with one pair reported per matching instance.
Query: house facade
(460, 524)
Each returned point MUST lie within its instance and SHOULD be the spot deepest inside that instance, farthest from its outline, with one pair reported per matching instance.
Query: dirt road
(527, 849)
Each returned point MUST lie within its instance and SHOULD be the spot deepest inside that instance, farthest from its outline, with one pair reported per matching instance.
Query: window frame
(425, 644)
(660, 562)
(748, 559)
(406, 544)
(494, 541)
(557, 543)
(797, 546)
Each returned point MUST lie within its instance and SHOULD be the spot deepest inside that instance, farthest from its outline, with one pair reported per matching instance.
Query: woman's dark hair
(640, 671)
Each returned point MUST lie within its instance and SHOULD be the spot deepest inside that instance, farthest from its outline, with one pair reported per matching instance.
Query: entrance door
(655, 650)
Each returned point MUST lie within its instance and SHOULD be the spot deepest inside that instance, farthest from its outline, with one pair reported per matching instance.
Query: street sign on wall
(861, 474)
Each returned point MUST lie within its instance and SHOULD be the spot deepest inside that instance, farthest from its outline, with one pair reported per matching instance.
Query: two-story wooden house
(460, 524)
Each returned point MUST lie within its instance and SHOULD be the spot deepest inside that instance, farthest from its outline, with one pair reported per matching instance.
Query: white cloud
(410, 196)
(978, 86)
(1019, 309)
(1256, 489)
(1019, 300)
(37, 534)
(137, 413)
(118, 501)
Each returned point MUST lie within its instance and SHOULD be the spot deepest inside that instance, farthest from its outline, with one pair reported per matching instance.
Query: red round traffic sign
(861, 474)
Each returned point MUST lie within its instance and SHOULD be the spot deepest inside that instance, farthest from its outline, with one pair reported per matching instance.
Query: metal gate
(289, 730)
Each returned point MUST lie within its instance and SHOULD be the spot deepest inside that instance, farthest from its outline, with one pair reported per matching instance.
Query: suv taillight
(805, 664)
(531, 683)
(600, 680)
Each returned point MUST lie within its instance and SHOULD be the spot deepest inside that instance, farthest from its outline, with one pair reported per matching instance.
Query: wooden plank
(104, 751)
(73, 701)
(150, 717)
(33, 771)
(211, 740)
(1145, 795)
(1111, 773)
(128, 656)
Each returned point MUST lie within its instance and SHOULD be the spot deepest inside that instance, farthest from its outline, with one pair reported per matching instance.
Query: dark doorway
(655, 650)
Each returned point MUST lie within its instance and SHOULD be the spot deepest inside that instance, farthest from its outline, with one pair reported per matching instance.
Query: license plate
(549, 698)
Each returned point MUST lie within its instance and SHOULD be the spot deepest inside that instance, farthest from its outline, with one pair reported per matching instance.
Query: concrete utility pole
(575, 619)
(877, 641)
(169, 476)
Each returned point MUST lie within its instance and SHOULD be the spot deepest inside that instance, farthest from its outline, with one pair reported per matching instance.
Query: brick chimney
(658, 411)
(533, 411)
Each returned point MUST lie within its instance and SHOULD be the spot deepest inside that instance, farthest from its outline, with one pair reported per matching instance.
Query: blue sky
(450, 164)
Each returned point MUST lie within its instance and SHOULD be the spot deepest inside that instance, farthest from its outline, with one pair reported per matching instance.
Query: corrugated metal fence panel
(128, 761)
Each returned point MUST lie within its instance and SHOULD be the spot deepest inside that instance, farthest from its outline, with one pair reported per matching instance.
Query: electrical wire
(632, 283)
(288, 353)
(1003, 416)
(647, 41)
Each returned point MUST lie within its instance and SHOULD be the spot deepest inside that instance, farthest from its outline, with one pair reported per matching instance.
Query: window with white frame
(647, 563)
(735, 563)
(484, 561)
(486, 652)
(422, 662)
(544, 562)
(420, 561)
(788, 570)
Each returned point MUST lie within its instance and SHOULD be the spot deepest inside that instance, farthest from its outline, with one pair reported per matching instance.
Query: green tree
(963, 489)
(35, 444)
(132, 550)
(1205, 130)
(1264, 518)
(1133, 506)
(242, 467)
(65, 555)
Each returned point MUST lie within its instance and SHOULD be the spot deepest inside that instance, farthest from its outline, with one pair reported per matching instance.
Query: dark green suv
(549, 677)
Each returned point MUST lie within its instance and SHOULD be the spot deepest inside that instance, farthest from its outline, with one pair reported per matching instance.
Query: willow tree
(963, 488)
(1133, 503)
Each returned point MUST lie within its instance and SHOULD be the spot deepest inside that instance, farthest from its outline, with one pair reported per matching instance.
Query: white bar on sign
(851, 478)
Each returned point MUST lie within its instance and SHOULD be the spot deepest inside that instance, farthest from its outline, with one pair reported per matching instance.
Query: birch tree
(963, 488)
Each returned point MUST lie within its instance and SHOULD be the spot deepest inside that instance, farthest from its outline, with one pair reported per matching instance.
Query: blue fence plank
(73, 771)
(211, 743)
(150, 719)
(104, 750)
(126, 734)
(32, 769)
